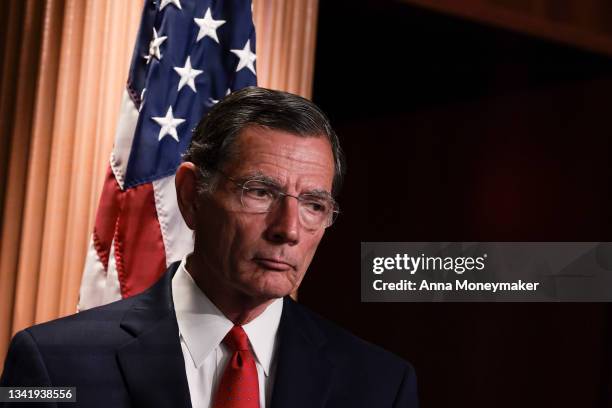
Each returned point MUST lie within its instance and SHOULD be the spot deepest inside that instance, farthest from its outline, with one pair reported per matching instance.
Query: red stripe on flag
(106, 217)
(139, 246)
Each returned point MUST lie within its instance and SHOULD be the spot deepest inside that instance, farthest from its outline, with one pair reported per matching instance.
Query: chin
(275, 293)
(271, 289)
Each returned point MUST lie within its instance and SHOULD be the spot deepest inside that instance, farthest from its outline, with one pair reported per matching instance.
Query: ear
(186, 192)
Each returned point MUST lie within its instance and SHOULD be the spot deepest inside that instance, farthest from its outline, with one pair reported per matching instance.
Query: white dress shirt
(202, 327)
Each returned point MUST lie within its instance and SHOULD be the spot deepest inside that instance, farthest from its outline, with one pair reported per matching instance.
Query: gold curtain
(64, 66)
(286, 34)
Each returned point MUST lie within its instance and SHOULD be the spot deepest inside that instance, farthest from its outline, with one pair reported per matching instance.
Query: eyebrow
(319, 193)
(273, 181)
(259, 176)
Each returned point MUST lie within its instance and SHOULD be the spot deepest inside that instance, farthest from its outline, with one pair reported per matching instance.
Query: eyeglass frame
(335, 210)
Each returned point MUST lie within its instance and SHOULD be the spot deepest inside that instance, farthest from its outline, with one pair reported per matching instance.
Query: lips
(273, 264)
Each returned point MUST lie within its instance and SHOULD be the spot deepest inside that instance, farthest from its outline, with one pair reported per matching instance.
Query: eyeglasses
(261, 197)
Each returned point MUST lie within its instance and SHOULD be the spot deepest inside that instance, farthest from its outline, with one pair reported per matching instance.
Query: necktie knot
(237, 339)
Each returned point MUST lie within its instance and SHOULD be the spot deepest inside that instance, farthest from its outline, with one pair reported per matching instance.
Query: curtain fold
(11, 33)
(60, 171)
(11, 36)
(64, 67)
(18, 127)
(286, 37)
(38, 168)
(95, 34)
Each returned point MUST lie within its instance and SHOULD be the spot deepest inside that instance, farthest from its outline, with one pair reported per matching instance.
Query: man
(219, 329)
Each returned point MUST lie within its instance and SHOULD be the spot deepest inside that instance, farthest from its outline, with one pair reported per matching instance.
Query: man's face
(263, 255)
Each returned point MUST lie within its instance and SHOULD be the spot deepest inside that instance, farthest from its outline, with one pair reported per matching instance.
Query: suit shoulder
(95, 324)
(345, 345)
(100, 326)
(383, 379)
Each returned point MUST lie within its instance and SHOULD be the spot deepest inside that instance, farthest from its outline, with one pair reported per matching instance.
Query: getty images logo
(412, 264)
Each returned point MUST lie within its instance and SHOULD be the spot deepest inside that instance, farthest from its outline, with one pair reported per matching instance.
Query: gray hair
(214, 137)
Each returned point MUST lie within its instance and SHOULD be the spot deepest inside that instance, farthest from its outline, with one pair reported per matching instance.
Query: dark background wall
(458, 131)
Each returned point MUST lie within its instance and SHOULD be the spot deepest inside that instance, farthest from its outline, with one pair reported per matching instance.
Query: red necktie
(239, 387)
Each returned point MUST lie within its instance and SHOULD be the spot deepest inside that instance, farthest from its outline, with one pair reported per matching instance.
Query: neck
(238, 307)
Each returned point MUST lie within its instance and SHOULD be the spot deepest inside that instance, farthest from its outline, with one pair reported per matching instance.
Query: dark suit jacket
(128, 354)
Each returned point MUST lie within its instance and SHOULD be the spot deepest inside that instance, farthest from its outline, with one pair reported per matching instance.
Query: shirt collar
(203, 326)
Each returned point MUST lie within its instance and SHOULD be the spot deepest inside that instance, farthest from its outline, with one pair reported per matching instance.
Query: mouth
(273, 264)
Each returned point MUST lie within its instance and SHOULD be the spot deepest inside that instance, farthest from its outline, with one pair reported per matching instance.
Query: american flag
(188, 55)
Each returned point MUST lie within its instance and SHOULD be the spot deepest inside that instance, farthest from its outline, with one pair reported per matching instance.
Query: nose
(284, 222)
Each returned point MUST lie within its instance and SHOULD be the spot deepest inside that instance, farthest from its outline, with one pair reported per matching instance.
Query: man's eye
(316, 206)
(259, 192)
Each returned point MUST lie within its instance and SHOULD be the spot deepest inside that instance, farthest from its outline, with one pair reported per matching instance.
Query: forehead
(305, 161)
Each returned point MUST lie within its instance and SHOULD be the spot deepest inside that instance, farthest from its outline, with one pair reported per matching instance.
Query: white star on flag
(164, 3)
(208, 26)
(188, 75)
(246, 57)
(154, 47)
(168, 124)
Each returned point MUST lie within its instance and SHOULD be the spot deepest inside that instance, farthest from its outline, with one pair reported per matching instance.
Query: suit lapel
(303, 375)
(152, 362)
